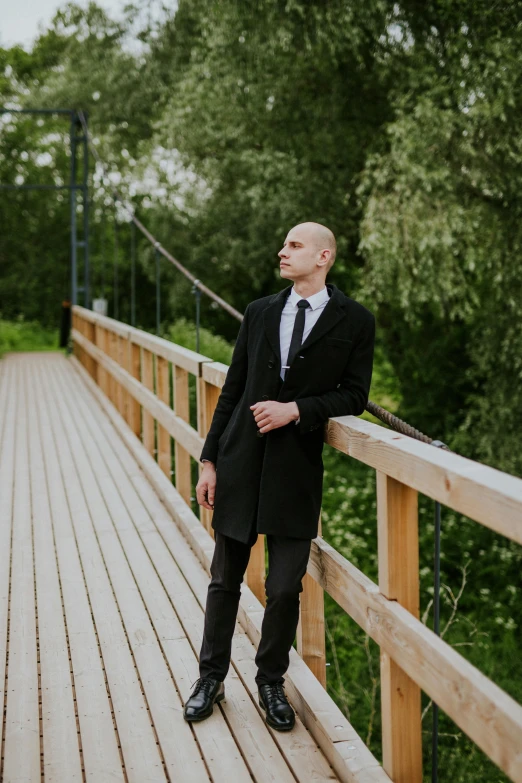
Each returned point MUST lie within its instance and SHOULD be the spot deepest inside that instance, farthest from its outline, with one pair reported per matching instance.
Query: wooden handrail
(413, 657)
(478, 491)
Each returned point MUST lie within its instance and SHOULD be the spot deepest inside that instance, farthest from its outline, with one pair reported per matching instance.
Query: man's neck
(305, 289)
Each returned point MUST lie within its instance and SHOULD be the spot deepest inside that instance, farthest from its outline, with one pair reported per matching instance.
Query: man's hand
(271, 414)
(206, 486)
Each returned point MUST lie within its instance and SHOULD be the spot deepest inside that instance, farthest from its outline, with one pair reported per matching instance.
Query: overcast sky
(20, 19)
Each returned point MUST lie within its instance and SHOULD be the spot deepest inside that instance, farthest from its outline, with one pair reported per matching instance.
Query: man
(301, 356)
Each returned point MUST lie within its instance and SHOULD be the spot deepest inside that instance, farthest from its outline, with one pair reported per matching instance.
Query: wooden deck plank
(101, 756)
(257, 745)
(61, 749)
(8, 403)
(142, 759)
(179, 748)
(221, 753)
(299, 748)
(22, 723)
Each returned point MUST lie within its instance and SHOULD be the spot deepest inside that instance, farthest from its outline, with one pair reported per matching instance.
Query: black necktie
(297, 334)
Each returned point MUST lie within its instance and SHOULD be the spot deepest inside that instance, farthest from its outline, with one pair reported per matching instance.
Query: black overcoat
(272, 482)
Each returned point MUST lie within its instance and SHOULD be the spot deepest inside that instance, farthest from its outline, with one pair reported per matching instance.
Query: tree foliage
(397, 124)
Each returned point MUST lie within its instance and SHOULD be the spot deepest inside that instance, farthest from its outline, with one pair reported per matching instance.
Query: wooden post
(163, 392)
(125, 362)
(118, 357)
(398, 544)
(91, 336)
(311, 644)
(147, 379)
(76, 324)
(134, 406)
(181, 456)
(256, 572)
(104, 345)
(207, 397)
(86, 359)
(98, 344)
(113, 392)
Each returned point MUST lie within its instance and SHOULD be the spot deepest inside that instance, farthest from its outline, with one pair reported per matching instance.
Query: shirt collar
(316, 300)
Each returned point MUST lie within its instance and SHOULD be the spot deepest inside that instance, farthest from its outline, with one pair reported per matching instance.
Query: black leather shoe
(200, 703)
(279, 714)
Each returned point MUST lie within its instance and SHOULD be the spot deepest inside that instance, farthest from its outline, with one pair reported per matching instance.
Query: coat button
(264, 397)
(260, 434)
(271, 364)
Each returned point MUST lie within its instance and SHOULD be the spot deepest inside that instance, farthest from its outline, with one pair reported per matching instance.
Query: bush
(22, 335)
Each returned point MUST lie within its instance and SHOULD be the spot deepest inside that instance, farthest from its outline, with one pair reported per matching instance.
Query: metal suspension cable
(152, 239)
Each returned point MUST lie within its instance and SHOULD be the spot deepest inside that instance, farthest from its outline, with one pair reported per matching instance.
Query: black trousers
(287, 563)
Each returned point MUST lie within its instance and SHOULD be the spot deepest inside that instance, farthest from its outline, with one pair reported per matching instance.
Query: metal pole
(115, 284)
(436, 629)
(103, 229)
(158, 291)
(133, 274)
(197, 292)
(74, 291)
(85, 191)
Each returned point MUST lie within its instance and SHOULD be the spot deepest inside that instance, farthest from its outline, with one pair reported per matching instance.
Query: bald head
(319, 236)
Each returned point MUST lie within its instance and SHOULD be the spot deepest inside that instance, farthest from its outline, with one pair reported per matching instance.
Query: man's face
(299, 255)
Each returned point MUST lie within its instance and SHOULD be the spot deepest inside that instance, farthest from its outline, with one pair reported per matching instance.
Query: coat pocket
(341, 342)
(228, 431)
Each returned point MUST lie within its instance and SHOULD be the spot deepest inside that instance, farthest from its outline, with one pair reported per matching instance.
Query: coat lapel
(331, 314)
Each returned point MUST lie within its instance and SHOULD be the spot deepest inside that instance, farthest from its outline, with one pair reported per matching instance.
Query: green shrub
(22, 335)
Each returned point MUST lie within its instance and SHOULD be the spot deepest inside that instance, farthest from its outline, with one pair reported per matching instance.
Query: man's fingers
(205, 495)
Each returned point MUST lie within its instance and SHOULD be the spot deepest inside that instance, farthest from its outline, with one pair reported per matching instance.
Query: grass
(22, 335)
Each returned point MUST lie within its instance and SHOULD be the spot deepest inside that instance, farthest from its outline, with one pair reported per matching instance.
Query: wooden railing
(132, 368)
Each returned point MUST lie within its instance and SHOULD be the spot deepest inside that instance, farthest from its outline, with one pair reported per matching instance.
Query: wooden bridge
(104, 571)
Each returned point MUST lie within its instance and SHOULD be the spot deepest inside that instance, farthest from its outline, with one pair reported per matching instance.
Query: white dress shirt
(317, 304)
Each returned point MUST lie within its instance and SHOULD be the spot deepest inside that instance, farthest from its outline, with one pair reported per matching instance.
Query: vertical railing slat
(134, 406)
(113, 386)
(163, 392)
(207, 397)
(123, 394)
(147, 379)
(181, 408)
